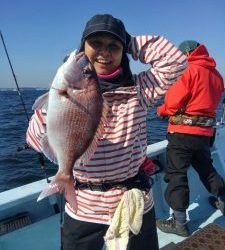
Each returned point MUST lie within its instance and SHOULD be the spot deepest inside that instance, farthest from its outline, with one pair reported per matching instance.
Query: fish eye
(86, 70)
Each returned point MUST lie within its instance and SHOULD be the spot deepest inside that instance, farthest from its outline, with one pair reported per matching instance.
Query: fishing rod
(14, 76)
(26, 146)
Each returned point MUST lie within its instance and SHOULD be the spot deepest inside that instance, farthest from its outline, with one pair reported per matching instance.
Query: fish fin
(47, 149)
(100, 130)
(59, 186)
(53, 188)
(41, 102)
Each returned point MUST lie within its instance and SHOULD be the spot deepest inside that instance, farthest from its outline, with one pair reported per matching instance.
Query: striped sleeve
(167, 64)
(36, 129)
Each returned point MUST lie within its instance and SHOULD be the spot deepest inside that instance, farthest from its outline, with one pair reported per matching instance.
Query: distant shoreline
(25, 88)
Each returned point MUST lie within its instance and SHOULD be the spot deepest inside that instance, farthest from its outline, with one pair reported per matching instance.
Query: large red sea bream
(75, 117)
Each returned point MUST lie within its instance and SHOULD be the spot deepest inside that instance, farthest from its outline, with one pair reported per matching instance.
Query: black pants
(80, 235)
(183, 150)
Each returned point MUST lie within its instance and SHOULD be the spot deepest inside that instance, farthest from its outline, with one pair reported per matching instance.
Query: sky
(39, 33)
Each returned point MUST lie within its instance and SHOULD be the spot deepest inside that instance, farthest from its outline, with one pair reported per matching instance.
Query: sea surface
(19, 168)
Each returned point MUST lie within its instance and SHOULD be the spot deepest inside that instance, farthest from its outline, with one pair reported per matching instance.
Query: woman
(122, 148)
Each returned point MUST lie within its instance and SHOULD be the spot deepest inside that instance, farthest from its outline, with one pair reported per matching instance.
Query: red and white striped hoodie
(122, 148)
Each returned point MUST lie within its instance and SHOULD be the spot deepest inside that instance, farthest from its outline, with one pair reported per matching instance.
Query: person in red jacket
(190, 105)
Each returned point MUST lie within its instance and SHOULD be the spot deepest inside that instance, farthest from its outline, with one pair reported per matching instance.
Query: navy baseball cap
(106, 23)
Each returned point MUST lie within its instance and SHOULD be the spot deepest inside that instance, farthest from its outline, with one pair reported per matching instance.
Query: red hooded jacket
(198, 91)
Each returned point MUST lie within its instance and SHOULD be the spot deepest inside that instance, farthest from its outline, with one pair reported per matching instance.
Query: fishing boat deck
(47, 231)
(200, 214)
(44, 232)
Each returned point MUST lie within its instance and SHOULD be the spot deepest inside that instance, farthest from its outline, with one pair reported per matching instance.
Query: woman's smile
(103, 61)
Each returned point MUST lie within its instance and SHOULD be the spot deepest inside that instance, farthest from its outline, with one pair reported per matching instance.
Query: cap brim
(105, 31)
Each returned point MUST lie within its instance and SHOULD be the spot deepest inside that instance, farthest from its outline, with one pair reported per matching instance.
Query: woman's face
(104, 52)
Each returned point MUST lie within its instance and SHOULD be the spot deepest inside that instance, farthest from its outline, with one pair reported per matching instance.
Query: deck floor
(43, 235)
(200, 212)
(196, 222)
(47, 232)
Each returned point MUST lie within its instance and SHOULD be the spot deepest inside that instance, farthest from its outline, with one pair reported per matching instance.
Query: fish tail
(53, 188)
(57, 186)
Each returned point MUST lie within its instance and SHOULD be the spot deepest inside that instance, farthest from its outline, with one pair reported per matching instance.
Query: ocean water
(19, 168)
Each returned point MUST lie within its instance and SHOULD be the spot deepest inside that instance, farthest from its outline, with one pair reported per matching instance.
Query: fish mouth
(89, 71)
(86, 67)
